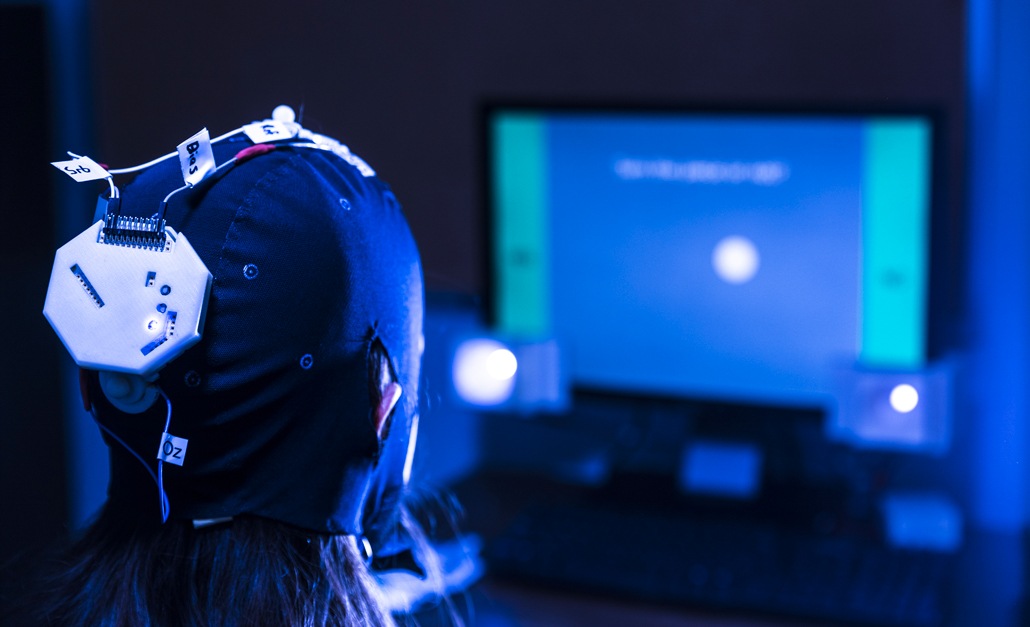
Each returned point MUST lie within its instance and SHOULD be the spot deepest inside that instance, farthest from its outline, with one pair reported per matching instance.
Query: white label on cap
(81, 169)
(173, 449)
(196, 158)
(268, 131)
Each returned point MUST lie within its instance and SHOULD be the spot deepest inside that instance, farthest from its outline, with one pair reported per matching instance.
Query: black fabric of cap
(312, 262)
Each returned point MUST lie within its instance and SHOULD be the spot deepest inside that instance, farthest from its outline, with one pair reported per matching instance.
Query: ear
(391, 395)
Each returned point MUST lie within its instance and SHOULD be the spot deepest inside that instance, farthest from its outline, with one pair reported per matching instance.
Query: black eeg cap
(312, 262)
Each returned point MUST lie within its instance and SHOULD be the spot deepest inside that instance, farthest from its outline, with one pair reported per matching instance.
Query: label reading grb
(173, 449)
(196, 158)
(268, 131)
(81, 169)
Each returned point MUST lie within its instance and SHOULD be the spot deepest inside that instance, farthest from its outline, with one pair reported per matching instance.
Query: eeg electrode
(127, 296)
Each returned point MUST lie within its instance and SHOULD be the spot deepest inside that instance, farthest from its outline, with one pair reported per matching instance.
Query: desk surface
(987, 590)
(491, 501)
(503, 604)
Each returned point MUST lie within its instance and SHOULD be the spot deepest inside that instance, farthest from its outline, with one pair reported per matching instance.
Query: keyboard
(732, 565)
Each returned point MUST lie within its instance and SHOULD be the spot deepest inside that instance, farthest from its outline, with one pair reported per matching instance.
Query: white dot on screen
(501, 364)
(735, 259)
(904, 398)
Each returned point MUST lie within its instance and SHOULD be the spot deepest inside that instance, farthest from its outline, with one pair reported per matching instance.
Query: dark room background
(403, 84)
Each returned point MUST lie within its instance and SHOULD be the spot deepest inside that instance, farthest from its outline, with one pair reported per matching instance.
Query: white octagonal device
(124, 306)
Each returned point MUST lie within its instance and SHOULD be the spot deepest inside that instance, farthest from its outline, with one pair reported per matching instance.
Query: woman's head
(317, 295)
(129, 570)
(299, 405)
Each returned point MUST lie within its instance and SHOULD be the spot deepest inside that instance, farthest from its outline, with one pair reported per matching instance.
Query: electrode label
(268, 131)
(81, 169)
(196, 158)
(173, 449)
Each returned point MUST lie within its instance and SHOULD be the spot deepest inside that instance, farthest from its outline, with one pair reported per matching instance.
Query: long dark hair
(126, 570)
(249, 572)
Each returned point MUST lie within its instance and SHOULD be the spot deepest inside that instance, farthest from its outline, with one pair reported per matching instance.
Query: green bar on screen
(895, 226)
(521, 292)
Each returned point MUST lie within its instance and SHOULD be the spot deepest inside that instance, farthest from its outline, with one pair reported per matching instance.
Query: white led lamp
(127, 296)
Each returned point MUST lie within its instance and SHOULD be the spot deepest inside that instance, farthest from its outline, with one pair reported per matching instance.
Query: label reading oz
(173, 449)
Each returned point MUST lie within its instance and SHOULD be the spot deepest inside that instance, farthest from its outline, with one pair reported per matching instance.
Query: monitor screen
(741, 256)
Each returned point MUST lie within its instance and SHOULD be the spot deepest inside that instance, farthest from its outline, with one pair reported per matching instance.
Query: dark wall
(401, 82)
(33, 488)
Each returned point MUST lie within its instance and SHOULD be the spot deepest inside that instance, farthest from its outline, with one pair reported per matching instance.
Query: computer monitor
(745, 256)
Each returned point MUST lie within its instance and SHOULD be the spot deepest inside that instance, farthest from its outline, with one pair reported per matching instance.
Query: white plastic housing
(120, 335)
